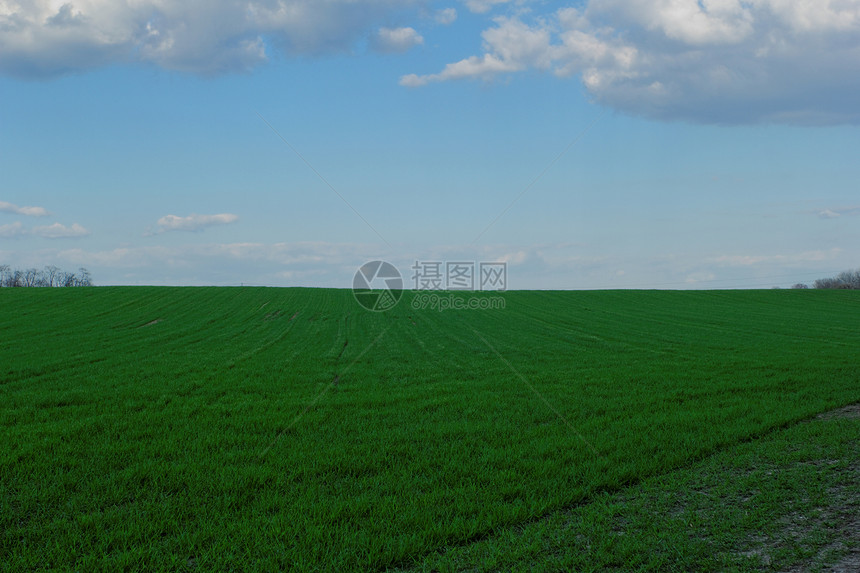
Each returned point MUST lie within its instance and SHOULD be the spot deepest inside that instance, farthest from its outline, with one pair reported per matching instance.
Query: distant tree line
(49, 276)
(844, 280)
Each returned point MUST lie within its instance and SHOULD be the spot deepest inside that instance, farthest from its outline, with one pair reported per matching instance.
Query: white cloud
(279, 264)
(485, 66)
(11, 230)
(396, 40)
(55, 231)
(29, 211)
(41, 38)
(483, 6)
(542, 266)
(794, 258)
(318, 264)
(836, 213)
(60, 231)
(688, 21)
(446, 16)
(511, 47)
(699, 277)
(714, 61)
(515, 258)
(180, 255)
(194, 222)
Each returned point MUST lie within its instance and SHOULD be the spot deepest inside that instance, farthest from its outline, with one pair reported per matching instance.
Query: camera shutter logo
(377, 286)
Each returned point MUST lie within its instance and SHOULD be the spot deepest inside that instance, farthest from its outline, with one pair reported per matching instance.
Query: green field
(266, 429)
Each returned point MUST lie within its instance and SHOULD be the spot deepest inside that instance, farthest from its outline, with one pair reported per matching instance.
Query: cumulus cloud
(16, 210)
(485, 66)
(396, 40)
(60, 231)
(40, 38)
(194, 222)
(446, 16)
(511, 46)
(714, 61)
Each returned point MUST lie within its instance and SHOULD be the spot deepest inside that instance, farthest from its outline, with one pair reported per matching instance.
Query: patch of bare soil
(156, 321)
(851, 411)
(840, 518)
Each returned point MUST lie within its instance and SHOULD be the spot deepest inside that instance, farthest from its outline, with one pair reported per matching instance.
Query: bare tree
(50, 276)
(851, 279)
(30, 276)
(41, 280)
(800, 286)
(84, 278)
(844, 280)
(51, 273)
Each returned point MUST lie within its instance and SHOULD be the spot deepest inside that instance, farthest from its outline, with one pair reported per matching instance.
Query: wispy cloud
(55, 231)
(836, 213)
(803, 257)
(194, 222)
(28, 211)
(11, 230)
(698, 277)
(485, 67)
(483, 6)
(321, 264)
(278, 264)
(446, 16)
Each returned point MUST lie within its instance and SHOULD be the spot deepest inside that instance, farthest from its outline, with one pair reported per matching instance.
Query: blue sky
(599, 144)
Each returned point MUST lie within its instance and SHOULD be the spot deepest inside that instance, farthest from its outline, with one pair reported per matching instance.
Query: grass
(790, 501)
(252, 428)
